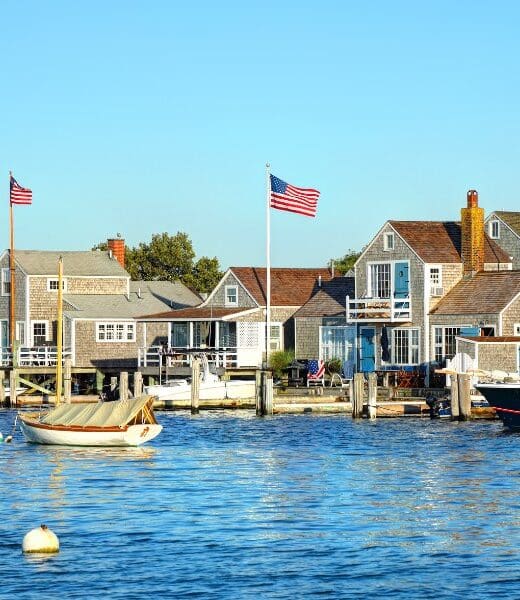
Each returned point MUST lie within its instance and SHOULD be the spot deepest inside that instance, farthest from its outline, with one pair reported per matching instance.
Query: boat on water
(211, 387)
(505, 398)
(121, 423)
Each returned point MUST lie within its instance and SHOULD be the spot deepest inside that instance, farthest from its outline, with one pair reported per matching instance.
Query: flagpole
(268, 263)
(11, 272)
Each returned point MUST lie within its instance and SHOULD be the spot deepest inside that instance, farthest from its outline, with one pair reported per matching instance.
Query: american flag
(316, 369)
(285, 196)
(19, 194)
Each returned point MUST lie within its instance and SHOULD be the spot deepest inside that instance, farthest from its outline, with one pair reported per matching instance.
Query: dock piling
(454, 398)
(357, 400)
(138, 384)
(123, 385)
(13, 384)
(464, 388)
(2, 388)
(372, 395)
(67, 388)
(195, 385)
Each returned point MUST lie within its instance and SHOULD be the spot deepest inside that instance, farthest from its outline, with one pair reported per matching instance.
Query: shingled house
(402, 277)
(100, 304)
(231, 321)
(503, 227)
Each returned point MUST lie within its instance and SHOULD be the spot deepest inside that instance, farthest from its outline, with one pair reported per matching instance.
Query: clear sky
(140, 117)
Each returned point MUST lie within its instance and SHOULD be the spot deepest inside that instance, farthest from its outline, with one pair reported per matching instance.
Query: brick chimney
(472, 232)
(117, 247)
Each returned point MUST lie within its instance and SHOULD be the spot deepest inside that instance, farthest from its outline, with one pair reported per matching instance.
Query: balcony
(378, 310)
(171, 356)
(41, 356)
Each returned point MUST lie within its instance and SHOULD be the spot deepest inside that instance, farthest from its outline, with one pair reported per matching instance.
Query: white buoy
(41, 540)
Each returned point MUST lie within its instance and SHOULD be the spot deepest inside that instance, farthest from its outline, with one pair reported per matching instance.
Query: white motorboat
(211, 387)
(121, 423)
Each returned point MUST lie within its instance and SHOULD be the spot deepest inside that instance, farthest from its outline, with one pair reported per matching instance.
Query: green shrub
(333, 365)
(280, 360)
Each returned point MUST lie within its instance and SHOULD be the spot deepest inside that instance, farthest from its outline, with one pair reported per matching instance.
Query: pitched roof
(329, 301)
(440, 241)
(75, 263)
(510, 218)
(486, 292)
(289, 287)
(173, 293)
(206, 313)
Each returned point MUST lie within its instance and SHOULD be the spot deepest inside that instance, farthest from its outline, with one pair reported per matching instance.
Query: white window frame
(275, 337)
(47, 329)
(388, 241)
(52, 284)
(371, 284)
(494, 229)
(6, 279)
(4, 333)
(20, 332)
(439, 342)
(516, 329)
(413, 345)
(227, 301)
(115, 332)
(337, 341)
(435, 282)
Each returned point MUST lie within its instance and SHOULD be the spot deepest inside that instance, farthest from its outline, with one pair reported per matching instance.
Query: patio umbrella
(385, 354)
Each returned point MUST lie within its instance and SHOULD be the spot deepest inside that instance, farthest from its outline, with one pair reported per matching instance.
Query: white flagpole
(268, 263)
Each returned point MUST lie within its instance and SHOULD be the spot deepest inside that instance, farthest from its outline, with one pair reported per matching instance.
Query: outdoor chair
(316, 373)
(345, 376)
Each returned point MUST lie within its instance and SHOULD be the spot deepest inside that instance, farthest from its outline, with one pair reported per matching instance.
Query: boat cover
(102, 414)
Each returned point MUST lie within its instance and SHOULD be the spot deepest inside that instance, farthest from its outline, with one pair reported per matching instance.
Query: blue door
(368, 350)
(401, 280)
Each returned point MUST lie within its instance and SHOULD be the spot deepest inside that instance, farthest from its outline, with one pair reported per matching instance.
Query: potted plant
(279, 361)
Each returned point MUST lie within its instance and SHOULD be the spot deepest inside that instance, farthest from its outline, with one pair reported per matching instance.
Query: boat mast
(59, 333)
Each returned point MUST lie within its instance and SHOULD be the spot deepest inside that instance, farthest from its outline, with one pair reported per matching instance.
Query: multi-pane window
(115, 332)
(231, 292)
(436, 281)
(337, 342)
(380, 280)
(227, 334)
(405, 346)
(6, 282)
(180, 335)
(494, 229)
(53, 284)
(445, 343)
(39, 331)
(388, 243)
(275, 337)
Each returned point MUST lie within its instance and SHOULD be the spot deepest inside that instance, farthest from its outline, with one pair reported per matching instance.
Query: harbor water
(228, 505)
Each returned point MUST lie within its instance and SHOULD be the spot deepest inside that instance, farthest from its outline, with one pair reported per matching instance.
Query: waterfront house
(100, 304)
(231, 321)
(404, 273)
(321, 330)
(503, 227)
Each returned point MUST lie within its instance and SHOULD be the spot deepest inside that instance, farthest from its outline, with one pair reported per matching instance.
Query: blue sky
(140, 117)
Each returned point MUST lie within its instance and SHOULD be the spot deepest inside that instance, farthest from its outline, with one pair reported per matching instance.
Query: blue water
(228, 505)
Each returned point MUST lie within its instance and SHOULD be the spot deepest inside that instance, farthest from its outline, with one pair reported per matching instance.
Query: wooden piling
(123, 385)
(258, 392)
(372, 395)
(67, 387)
(357, 401)
(2, 388)
(138, 384)
(195, 385)
(454, 398)
(13, 384)
(268, 394)
(464, 386)
(99, 382)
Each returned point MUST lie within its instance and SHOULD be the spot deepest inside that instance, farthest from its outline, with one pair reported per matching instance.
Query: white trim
(73, 340)
(229, 287)
(31, 332)
(219, 285)
(55, 279)
(490, 224)
(45, 275)
(372, 242)
(393, 360)
(493, 215)
(115, 340)
(3, 271)
(240, 313)
(388, 235)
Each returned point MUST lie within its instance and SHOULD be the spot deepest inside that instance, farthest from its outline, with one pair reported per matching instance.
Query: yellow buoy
(41, 540)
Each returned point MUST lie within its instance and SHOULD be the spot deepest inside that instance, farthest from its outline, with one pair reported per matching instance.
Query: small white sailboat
(121, 423)
(211, 387)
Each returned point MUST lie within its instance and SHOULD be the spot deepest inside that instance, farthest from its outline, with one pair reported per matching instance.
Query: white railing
(41, 356)
(6, 357)
(378, 309)
(182, 357)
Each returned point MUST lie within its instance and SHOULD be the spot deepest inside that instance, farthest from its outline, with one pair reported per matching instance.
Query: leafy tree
(344, 264)
(170, 258)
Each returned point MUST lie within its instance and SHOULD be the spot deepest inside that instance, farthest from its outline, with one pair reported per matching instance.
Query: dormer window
(494, 229)
(231, 295)
(388, 240)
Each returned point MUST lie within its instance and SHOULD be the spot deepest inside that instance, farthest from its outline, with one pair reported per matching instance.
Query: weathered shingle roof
(329, 301)
(75, 263)
(173, 293)
(206, 313)
(510, 218)
(486, 292)
(289, 287)
(440, 241)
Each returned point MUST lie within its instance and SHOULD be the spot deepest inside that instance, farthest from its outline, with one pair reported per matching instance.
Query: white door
(250, 344)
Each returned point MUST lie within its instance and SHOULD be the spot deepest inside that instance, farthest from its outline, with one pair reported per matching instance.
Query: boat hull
(505, 398)
(133, 435)
(220, 390)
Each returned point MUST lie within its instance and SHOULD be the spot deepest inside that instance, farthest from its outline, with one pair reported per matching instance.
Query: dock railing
(182, 357)
(378, 309)
(41, 356)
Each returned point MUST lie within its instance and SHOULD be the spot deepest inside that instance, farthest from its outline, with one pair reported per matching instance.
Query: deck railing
(378, 309)
(6, 357)
(41, 356)
(182, 357)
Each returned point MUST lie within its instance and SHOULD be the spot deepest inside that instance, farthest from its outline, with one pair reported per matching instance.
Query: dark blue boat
(505, 397)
